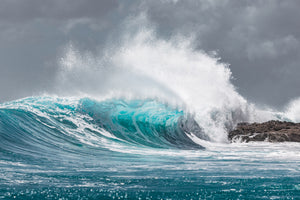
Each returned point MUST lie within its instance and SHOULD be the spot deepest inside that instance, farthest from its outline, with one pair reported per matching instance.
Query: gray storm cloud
(259, 39)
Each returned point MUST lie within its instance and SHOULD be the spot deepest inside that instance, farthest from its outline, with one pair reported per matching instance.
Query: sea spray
(170, 71)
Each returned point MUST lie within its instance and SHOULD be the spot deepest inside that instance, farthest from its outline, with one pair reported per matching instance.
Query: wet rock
(271, 131)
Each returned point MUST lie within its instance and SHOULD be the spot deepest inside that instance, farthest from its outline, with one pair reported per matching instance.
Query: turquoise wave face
(147, 123)
(44, 125)
(38, 128)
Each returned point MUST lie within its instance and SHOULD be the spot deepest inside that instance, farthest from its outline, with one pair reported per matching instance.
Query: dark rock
(271, 131)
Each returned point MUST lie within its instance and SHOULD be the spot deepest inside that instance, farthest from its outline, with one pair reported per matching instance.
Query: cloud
(14, 10)
(271, 49)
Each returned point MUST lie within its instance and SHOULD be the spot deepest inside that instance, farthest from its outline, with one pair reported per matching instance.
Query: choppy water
(64, 148)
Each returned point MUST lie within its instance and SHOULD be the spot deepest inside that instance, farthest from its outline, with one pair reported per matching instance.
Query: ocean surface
(81, 148)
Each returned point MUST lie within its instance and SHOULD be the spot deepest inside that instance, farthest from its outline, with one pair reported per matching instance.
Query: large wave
(168, 71)
(38, 124)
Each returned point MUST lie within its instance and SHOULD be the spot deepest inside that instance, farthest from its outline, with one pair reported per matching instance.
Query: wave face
(45, 122)
(143, 122)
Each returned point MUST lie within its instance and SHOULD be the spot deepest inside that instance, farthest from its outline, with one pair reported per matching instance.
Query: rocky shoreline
(271, 131)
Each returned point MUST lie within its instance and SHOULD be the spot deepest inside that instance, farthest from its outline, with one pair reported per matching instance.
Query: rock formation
(271, 131)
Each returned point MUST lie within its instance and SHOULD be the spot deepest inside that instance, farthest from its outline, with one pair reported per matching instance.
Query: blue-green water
(64, 148)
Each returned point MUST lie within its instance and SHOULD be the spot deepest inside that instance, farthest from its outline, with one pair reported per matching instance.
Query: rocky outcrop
(271, 131)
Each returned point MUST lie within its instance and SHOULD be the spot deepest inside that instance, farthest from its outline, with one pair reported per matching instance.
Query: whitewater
(145, 119)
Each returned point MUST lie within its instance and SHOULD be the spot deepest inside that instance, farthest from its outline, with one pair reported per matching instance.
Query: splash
(292, 111)
(169, 71)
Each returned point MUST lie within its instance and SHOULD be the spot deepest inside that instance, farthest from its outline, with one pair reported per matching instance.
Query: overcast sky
(258, 38)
